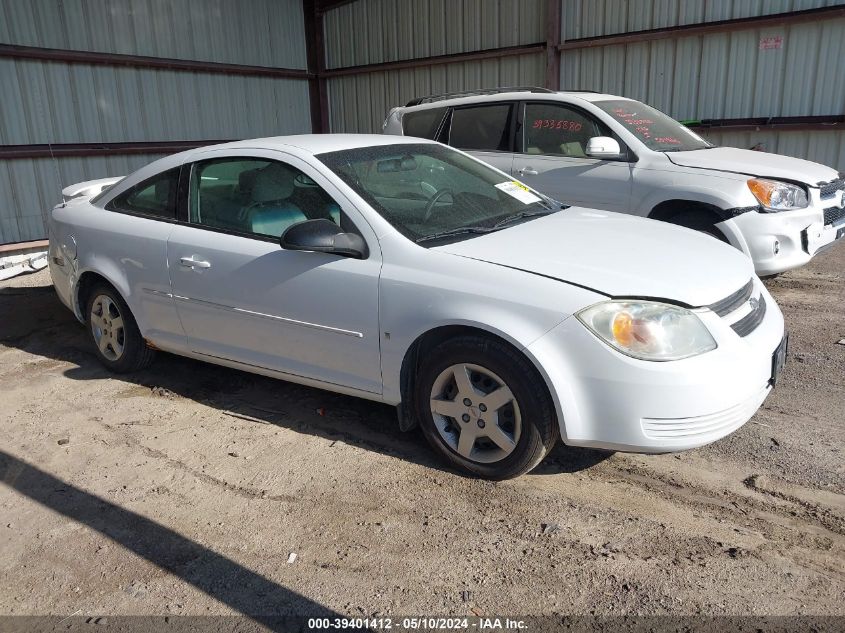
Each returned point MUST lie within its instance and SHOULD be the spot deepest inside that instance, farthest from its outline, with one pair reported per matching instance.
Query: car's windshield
(654, 129)
(428, 190)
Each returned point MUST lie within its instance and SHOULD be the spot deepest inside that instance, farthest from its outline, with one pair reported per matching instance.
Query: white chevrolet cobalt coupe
(410, 273)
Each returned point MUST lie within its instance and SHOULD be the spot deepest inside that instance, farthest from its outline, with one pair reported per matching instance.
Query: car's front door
(551, 141)
(241, 297)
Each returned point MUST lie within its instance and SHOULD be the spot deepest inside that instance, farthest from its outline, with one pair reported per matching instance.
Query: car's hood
(762, 164)
(618, 255)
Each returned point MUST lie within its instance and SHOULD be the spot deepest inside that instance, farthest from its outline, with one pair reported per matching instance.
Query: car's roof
(320, 143)
(521, 95)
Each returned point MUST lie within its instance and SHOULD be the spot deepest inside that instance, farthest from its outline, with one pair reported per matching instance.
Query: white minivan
(617, 154)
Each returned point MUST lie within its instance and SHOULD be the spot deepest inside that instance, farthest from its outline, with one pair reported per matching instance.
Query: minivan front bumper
(778, 242)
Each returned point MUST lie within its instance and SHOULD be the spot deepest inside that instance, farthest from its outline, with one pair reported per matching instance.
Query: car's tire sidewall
(136, 354)
(539, 422)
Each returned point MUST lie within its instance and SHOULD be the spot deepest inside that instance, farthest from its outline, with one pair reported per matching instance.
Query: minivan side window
(154, 197)
(557, 130)
(481, 128)
(257, 196)
(422, 123)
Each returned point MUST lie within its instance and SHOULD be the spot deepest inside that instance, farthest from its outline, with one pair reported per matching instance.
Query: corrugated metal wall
(30, 187)
(720, 75)
(723, 75)
(713, 76)
(61, 103)
(591, 18)
(376, 31)
(53, 102)
(253, 32)
(359, 103)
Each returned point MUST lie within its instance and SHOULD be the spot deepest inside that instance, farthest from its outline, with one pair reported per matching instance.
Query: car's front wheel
(484, 407)
(117, 341)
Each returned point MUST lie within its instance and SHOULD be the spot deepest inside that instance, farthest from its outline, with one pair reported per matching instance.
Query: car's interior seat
(271, 211)
(574, 149)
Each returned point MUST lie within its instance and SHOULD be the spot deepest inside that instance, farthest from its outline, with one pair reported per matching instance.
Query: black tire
(702, 221)
(538, 422)
(135, 354)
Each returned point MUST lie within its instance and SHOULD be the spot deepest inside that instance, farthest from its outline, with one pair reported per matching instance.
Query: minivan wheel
(484, 407)
(117, 341)
(702, 222)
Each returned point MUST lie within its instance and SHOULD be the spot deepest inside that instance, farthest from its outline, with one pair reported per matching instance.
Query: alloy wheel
(107, 327)
(475, 413)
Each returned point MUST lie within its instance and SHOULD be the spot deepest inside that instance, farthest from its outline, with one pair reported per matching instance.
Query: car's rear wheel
(117, 341)
(484, 407)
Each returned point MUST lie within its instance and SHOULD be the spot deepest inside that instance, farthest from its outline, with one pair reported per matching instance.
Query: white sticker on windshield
(518, 191)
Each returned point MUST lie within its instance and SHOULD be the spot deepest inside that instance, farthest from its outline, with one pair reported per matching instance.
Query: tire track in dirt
(246, 493)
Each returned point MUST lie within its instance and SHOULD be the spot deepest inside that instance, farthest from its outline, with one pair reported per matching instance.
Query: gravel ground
(188, 488)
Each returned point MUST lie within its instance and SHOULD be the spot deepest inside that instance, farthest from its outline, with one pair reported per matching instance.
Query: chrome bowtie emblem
(753, 302)
(842, 199)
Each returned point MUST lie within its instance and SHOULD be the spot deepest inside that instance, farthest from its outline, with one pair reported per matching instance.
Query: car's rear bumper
(608, 400)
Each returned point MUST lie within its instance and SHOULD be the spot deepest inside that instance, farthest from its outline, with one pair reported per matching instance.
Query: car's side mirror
(323, 236)
(603, 147)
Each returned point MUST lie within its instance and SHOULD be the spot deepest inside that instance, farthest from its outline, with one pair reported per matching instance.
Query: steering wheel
(433, 200)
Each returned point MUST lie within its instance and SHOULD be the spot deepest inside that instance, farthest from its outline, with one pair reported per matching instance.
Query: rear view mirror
(392, 165)
(603, 147)
(323, 236)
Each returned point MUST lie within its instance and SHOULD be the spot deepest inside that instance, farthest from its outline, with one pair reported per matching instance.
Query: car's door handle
(190, 262)
(527, 171)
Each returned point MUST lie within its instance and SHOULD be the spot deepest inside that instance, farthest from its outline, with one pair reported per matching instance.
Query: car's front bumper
(608, 400)
(778, 242)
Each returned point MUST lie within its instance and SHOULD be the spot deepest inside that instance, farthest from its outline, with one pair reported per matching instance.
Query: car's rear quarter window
(423, 123)
(481, 128)
(154, 197)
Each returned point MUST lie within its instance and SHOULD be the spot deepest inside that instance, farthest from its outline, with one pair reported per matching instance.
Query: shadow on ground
(36, 322)
(232, 584)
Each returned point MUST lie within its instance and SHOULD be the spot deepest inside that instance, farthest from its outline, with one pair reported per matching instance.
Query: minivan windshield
(431, 193)
(654, 129)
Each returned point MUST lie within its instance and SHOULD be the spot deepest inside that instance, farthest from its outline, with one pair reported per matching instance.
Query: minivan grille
(828, 190)
(833, 214)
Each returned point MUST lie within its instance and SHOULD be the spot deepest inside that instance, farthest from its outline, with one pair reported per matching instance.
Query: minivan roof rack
(472, 93)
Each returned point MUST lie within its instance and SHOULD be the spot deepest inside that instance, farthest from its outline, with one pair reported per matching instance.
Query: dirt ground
(188, 488)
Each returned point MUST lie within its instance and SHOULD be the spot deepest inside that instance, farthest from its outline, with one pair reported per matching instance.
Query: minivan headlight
(648, 330)
(778, 196)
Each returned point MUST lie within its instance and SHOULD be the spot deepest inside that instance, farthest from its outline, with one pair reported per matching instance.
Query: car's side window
(257, 196)
(484, 127)
(423, 123)
(155, 197)
(557, 130)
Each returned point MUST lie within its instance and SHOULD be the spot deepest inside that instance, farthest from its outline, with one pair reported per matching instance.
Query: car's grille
(733, 301)
(747, 324)
(832, 215)
(828, 190)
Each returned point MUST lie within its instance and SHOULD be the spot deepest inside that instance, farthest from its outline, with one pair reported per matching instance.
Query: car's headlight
(778, 196)
(648, 330)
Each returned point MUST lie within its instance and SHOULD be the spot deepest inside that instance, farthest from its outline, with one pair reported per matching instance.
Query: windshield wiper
(456, 231)
(524, 214)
